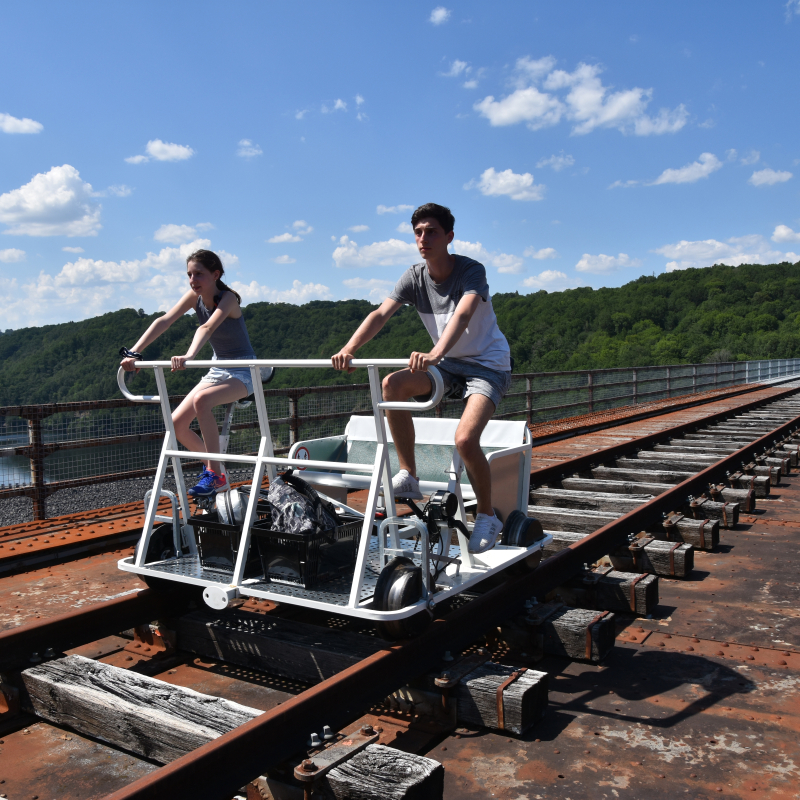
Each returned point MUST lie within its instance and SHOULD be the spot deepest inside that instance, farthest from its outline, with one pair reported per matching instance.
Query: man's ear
(450, 236)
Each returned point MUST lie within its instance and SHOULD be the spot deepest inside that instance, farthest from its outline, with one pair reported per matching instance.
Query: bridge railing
(46, 448)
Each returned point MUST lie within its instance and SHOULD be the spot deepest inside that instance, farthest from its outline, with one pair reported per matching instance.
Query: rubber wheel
(161, 546)
(400, 585)
(524, 532)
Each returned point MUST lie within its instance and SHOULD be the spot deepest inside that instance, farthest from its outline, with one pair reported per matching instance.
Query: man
(452, 297)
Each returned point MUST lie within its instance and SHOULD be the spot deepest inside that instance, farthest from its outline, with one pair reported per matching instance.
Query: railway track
(623, 517)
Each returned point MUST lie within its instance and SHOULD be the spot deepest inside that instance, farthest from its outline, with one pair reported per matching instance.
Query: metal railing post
(716, 372)
(694, 378)
(529, 399)
(37, 466)
(590, 384)
(669, 392)
(635, 389)
(294, 416)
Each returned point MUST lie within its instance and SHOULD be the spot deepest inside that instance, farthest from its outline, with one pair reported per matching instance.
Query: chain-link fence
(50, 447)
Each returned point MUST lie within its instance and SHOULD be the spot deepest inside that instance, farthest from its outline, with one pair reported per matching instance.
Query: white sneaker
(406, 485)
(484, 533)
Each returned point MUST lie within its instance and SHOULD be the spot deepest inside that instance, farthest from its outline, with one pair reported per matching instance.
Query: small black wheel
(524, 532)
(400, 585)
(161, 546)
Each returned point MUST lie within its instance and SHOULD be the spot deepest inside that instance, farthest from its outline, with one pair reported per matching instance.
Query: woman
(218, 308)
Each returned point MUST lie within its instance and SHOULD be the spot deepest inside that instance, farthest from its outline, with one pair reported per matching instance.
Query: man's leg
(402, 386)
(479, 410)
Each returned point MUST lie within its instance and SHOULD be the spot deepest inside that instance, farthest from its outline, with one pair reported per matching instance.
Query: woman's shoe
(209, 483)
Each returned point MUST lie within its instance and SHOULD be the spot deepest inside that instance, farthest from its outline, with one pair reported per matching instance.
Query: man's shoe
(209, 483)
(484, 533)
(406, 485)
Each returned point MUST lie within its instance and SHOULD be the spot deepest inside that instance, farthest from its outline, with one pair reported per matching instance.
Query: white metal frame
(457, 577)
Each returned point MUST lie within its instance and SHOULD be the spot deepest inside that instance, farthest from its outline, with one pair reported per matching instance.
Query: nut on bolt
(367, 730)
(309, 766)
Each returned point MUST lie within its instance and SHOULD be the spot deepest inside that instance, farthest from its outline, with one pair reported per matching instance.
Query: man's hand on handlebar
(127, 365)
(419, 362)
(341, 361)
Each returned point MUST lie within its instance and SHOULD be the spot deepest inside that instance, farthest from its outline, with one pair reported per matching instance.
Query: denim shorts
(463, 378)
(218, 375)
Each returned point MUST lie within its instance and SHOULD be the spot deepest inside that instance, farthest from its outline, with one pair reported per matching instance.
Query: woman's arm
(227, 304)
(186, 303)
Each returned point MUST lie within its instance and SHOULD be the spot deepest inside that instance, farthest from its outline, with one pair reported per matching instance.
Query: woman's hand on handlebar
(341, 361)
(178, 362)
(419, 362)
(127, 365)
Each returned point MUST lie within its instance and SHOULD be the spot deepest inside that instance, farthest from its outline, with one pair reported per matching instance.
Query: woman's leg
(204, 400)
(199, 404)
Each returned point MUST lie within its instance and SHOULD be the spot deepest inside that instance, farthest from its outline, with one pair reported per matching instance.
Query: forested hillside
(720, 313)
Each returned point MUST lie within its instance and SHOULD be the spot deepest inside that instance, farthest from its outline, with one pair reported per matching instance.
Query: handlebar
(438, 390)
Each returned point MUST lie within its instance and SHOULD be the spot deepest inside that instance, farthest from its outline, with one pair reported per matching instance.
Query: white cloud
(12, 255)
(516, 186)
(557, 163)
(72, 249)
(623, 184)
(383, 254)
(405, 227)
(587, 102)
(394, 209)
(301, 114)
(359, 100)
(769, 177)
(9, 124)
(439, 15)
(298, 294)
(54, 203)
(508, 264)
(373, 289)
(456, 68)
(356, 229)
(602, 264)
(783, 233)
(545, 252)
(505, 262)
(302, 227)
(283, 238)
(752, 157)
(162, 151)
(204, 226)
(284, 260)
(732, 154)
(247, 149)
(339, 105)
(702, 168)
(470, 84)
(709, 123)
(175, 234)
(751, 249)
(551, 280)
(120, 190)
(792, 7)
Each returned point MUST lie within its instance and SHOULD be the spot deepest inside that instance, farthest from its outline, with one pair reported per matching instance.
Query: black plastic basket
(307, 559)
(218, 545)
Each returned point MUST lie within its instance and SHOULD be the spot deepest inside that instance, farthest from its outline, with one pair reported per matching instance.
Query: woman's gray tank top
(230, 340)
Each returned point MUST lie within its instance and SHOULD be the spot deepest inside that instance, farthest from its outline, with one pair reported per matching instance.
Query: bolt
(327, 733)
(447, 656)
(49, 653)
(446, 676)
(367, 730)
(308, 765)
(314, 741)
(35, 658)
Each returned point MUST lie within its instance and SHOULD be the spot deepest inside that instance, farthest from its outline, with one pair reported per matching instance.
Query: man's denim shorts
(463, 378)
(218, 375)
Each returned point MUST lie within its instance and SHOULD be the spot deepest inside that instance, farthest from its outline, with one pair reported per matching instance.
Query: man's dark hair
(441, 214)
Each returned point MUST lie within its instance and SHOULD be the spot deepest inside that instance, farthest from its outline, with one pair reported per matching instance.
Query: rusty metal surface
(665, 697)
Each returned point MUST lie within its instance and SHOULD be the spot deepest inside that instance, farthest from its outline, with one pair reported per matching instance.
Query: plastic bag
(297, 508)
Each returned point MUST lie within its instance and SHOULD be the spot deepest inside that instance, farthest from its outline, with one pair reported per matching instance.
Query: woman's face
(200, 279)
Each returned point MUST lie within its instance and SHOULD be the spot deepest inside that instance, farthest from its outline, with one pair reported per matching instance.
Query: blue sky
(577, 143)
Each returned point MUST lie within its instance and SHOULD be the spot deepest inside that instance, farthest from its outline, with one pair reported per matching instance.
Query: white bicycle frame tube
(267, 461)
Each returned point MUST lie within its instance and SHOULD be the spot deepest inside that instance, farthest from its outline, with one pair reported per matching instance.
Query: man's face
(432, 240)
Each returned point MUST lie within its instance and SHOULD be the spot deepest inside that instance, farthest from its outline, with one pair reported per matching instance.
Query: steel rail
(219, 768)
(88, 624)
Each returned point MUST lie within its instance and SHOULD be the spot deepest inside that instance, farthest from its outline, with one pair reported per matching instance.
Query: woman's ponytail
(212, 262)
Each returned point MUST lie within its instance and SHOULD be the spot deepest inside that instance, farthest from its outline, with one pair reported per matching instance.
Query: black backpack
(297, 508)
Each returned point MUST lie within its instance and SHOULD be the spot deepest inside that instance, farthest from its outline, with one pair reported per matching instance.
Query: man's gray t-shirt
(482, 341)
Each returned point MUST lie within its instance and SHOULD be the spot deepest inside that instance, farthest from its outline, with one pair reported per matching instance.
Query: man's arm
(456, 326)
(367, 330)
